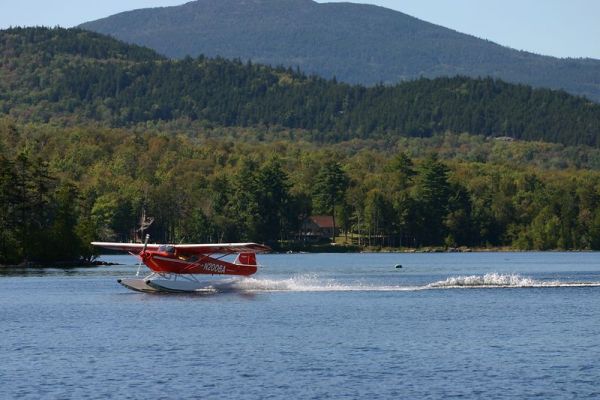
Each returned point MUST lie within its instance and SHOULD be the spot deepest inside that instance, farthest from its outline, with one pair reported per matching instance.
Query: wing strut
(142, 254)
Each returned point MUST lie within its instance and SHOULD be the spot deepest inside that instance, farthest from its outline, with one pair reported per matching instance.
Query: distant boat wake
(312, 283)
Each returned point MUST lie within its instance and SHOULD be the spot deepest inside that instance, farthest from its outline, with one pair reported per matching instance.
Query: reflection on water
(66, 271)
(39, 271)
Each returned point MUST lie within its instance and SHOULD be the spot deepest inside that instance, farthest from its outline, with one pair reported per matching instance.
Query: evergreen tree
(244, 207)
(273, 202)
(432, 196)
(330, 186)
(10, 245)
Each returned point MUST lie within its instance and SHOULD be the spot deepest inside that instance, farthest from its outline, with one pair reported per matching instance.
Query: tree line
(61, 188)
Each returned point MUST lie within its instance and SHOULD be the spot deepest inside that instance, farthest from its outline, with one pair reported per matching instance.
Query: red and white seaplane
(175, 266)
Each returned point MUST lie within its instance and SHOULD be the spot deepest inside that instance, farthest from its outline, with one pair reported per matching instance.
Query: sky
(560, 28)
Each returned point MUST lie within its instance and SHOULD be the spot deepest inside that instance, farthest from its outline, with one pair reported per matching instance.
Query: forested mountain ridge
(47, 43)
(75, 75)
(93, 132)
(356, 43)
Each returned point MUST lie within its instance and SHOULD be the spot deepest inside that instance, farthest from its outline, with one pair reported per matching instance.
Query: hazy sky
(562, 28)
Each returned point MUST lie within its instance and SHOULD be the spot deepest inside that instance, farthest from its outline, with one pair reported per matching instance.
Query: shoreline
(340, 248)
(312, 249)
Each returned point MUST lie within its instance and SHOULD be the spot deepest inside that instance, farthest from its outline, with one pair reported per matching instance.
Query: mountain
(75, 75)
(355, 43)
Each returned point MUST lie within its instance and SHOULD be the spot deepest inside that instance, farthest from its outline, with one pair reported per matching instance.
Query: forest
(95, 132)
(62, 187)
(74, 76)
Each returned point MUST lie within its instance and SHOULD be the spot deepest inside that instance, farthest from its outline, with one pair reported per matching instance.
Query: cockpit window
(166, 249)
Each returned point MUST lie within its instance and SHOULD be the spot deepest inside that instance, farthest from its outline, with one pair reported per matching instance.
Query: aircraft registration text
(219, 269)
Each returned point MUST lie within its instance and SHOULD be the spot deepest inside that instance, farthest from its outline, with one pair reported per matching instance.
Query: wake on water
(312, 283)
(495, 280)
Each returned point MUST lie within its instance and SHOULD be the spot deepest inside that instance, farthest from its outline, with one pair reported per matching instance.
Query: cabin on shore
(318, 227)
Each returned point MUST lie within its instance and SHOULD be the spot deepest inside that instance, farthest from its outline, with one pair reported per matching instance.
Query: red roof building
(318, 227)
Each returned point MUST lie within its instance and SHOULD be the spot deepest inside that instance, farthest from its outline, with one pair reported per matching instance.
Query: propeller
(142, 254)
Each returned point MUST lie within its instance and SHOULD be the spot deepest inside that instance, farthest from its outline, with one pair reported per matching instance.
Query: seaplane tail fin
(245, 259)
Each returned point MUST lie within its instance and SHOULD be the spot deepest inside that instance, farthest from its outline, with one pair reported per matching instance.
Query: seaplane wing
(222, 248)
(212, 248)
(129, 247)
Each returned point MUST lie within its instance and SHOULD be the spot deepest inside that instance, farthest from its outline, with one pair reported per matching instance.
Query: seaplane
(179, 268)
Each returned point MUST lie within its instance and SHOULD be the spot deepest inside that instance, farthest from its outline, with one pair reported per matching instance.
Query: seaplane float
(184, 267)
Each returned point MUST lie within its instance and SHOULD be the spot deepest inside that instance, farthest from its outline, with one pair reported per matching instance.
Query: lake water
(312, 326)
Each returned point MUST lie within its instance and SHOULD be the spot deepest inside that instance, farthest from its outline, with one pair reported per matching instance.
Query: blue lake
(312, 326)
